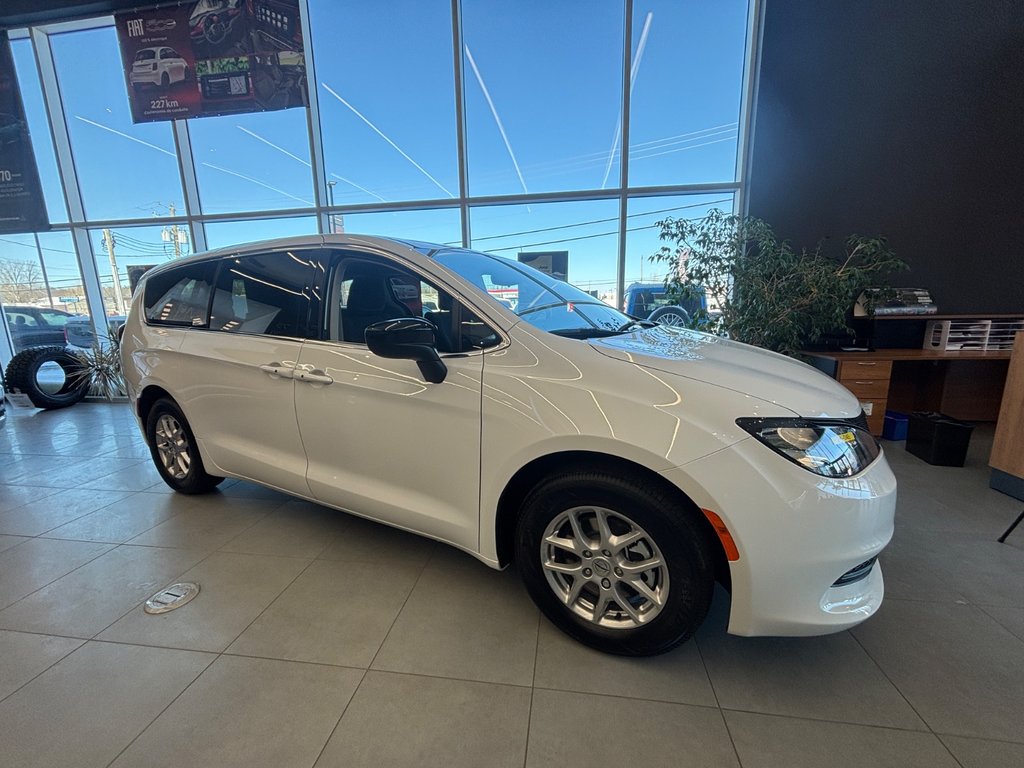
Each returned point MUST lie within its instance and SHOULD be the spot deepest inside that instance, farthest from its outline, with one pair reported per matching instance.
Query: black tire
(23, 371)
(165, 80)
(674, 316)
(184, 471)
(686, 579)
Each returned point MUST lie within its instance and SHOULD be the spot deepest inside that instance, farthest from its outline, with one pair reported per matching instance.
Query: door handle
(277, 370)
(316, 376)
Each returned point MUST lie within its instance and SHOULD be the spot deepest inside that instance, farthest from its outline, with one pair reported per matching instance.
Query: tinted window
(53, 317)
(266, 293)
(367, 291)
(179, 296)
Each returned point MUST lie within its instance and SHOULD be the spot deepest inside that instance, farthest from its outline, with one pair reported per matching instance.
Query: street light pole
(330, 203)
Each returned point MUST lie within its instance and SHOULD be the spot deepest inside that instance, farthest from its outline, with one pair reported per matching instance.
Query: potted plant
(768, 293)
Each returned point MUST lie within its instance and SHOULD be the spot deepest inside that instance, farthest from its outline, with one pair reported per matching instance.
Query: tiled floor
(321, 639)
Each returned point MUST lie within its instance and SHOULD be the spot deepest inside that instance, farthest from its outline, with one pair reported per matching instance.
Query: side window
(54, 318)
(265, 293)
(21, 319)
(179, 296)
(367, 291)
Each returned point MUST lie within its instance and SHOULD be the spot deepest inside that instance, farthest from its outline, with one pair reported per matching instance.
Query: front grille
(856, 573)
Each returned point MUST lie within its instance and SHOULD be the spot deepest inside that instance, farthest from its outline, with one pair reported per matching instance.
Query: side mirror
(408, 338)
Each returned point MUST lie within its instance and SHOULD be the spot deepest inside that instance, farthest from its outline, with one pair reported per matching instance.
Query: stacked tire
(23, 376)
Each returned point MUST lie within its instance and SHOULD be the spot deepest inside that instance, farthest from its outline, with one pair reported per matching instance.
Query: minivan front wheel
(174, 450)
(613, 564)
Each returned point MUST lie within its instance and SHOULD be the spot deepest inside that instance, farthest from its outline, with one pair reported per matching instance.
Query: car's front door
(238, 393)
(380, 440)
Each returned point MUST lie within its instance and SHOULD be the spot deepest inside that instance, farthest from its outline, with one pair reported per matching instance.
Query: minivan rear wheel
(614, 564)
(174, 450)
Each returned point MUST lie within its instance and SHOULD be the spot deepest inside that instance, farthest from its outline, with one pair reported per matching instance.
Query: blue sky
(552, 72)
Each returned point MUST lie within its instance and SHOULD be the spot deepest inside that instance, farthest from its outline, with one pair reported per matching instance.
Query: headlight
(824, 446)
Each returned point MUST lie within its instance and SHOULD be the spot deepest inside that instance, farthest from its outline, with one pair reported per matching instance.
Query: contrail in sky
(125, 136)
(352, 183)
(257, 181)
(275, 146)
(633, 70)
(306, 163)
(380, 133)
(494, 112)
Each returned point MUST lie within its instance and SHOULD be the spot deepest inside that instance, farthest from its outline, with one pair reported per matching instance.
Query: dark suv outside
(36, 326)
(649, 301)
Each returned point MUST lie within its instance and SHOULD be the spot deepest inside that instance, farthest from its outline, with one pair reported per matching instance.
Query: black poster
(212, 57)
(22, 208)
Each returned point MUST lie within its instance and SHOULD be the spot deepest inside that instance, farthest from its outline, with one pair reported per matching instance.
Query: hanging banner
(22, 208)
(212, 57)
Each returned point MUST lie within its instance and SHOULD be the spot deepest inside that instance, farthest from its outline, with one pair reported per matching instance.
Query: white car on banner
(158, 66)
(622, 465)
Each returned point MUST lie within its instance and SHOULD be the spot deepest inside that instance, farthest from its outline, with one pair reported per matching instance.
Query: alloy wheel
(604, 567)
(173, 447)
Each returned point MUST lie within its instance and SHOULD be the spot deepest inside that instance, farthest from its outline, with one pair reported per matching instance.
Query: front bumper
(797, 533)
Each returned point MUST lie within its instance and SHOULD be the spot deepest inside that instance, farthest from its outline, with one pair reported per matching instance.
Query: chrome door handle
(276, 369)
(315, 376)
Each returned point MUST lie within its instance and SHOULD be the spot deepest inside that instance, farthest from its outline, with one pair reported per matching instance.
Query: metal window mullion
(189, 183)
(69, 178)
(460, 121)
(751, 77)
(627, 58)
(316, 140)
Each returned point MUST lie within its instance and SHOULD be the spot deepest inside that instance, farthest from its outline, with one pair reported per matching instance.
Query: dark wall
(904, 119)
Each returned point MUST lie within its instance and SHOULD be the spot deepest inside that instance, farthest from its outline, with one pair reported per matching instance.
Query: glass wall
(496, 126)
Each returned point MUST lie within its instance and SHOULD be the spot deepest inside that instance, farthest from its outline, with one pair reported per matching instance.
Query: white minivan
(623, 466)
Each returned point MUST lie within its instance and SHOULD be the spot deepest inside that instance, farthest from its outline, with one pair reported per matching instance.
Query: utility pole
(108, 244)
(42, 266)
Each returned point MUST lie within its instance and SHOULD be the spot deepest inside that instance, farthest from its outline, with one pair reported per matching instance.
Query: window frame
(313, 309)
(333, 277)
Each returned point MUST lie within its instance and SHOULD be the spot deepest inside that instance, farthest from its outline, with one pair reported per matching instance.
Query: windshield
(540, 300)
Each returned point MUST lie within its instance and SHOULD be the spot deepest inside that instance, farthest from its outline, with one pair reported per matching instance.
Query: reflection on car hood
(740, 367)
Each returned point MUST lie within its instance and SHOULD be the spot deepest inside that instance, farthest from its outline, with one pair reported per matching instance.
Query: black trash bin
(938, 439)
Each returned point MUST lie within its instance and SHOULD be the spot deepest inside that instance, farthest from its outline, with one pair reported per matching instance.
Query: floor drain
(173, 597)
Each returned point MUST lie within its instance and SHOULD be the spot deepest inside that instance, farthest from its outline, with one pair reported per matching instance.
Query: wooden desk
(964, 384)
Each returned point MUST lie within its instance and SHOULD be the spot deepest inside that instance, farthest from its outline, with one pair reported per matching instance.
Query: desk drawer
(865, 369)
(868, 389)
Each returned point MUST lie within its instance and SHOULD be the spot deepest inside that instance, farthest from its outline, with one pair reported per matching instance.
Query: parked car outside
(649, 301)
(158, 66)
(622, 466)
(36, 326)
(79, 333)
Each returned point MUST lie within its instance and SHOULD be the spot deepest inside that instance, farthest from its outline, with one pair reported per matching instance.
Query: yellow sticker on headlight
(848, 436)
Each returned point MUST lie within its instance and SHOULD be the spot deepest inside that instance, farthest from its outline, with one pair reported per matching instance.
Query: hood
(740, 367)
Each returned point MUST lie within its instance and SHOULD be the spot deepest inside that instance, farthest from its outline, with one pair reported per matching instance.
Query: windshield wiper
(585, 333)
(635, 324)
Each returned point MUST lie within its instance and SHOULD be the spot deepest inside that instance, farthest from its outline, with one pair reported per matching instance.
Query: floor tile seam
(982, 607)
(82, 642)
(892, 682)
(159, 714)
(398, 613)
(143, 601)
(341, 717)
(943, 735)
(47, 584)
(266, 608)
(718, 702)
(119, 543)
(927, 731)
(86, 514)
(533, 691)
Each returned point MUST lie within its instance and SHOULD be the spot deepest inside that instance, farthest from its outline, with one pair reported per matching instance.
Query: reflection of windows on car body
(623, 466)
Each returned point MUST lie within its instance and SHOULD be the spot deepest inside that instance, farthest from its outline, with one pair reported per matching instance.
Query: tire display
(614, 564)
(51, 377)
(174, 450)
